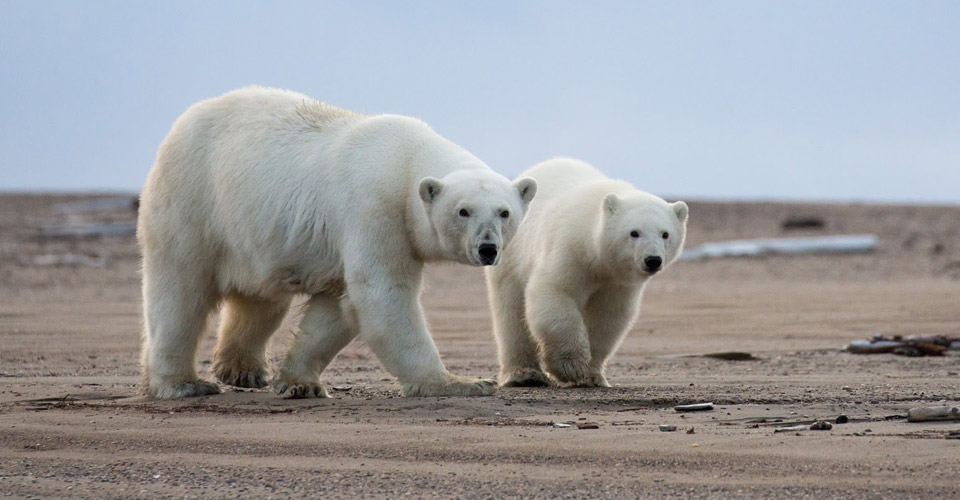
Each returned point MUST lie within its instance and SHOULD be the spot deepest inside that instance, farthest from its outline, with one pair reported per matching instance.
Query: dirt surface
(73, 425)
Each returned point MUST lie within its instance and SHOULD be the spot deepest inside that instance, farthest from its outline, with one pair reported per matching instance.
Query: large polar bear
(568, 289)
(261, 194)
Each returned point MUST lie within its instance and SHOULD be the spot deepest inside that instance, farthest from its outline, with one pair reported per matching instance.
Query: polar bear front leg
(324, 332)
(557, 325)
(391, 322)
(240, 358)
(608, 315)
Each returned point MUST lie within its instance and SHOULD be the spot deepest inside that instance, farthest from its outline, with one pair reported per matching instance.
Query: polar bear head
(475, 212)
(640, 234)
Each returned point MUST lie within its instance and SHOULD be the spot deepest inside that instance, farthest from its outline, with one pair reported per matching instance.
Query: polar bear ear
(430, 187)
(611, 203)
(527, 188)
(680, 208)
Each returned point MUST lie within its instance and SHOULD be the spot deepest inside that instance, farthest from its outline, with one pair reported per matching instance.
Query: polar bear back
(569, 192)
(294, 173)
(566, 186)
(561, 174)
(246, 137)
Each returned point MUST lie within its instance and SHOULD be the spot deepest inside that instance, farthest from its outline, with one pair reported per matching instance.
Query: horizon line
(696, 199)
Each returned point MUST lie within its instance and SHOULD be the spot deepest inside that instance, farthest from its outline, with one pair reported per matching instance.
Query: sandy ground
(73, 425)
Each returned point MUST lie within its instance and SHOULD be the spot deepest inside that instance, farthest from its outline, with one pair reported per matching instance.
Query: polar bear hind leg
(246, 324)
(176, 307)
(325, 330)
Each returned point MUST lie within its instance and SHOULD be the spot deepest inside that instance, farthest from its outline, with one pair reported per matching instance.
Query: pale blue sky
(838, 100)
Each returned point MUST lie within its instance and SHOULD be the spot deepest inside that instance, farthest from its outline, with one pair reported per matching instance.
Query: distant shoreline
(92, 193)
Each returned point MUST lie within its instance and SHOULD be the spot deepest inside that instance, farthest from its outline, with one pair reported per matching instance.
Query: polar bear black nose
(653, 263)
(488, 253)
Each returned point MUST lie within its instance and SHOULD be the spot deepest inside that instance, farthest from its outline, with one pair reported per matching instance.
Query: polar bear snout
(652, 263)
(487, 253)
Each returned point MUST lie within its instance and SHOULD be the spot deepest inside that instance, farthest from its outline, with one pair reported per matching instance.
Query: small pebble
(821, 425)
(842, 419)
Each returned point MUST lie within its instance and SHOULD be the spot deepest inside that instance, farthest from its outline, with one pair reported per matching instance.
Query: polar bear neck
(423, 236)
(432, 155)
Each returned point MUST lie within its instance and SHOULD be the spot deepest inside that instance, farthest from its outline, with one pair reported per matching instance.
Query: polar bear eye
(634, 234)
(464, 212)
(504, 214)
(666, 235)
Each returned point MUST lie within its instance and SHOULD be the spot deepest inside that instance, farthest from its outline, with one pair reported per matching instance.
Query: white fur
(569, 286)
(261, 194)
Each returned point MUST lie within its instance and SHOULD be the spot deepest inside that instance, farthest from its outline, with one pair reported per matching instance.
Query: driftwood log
(914, 345)
(928, 414)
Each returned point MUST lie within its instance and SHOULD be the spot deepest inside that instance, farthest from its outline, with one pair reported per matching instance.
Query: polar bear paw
(452, 385)
(591, 380)
(184, 389)
(300, 390)
(252, 375)
(569, 369)
(526, 377)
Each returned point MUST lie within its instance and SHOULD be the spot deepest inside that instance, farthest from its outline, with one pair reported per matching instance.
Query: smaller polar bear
(262, 194)
(568, 289)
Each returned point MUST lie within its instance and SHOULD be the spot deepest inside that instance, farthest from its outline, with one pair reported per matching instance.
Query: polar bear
(261, 194)
(568, 289)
